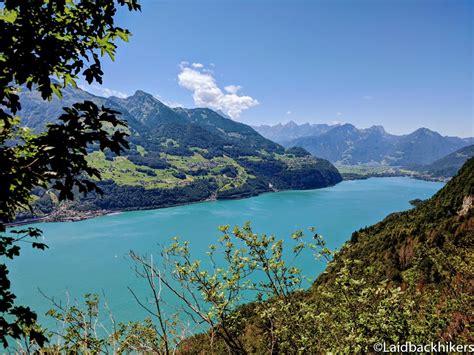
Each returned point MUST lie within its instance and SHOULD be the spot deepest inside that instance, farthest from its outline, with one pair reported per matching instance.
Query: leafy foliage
(25, 318)
(44, 47)
(251, 266)
(86, 330)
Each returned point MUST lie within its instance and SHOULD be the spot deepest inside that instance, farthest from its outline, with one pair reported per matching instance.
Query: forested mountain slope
(434, 239)
(448, 165)
(180, 155)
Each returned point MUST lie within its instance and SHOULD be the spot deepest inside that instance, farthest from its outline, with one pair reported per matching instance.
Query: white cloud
(288, 112)
(338, 113)
(206, 93)
(103, 91)
(232, 89)
(207, 70)
(197, 65)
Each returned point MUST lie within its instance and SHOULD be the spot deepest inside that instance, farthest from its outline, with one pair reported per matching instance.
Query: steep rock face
(180, 155)
(467, 204)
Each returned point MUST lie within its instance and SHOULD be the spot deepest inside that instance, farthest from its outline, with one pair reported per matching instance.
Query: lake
(91, 256)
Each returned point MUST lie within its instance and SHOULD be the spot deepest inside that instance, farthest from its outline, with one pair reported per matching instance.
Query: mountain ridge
(344, 144)
(448, 165)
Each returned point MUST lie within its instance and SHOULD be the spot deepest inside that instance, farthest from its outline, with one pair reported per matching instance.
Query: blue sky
(401, 64)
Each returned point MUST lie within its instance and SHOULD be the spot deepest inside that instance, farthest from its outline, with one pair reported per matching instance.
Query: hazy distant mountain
(284, 133)
(36, 112)
(425, 146)
(348, 145)
(449, 165)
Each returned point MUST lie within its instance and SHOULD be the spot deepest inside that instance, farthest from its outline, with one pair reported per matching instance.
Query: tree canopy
(46, 45)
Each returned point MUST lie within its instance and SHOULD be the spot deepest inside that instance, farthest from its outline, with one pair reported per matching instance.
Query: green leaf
(9, 16)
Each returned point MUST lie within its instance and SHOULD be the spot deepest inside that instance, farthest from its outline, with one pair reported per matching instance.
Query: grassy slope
(124, 172)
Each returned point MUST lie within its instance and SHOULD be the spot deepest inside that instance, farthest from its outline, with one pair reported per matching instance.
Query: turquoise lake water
(91, 256)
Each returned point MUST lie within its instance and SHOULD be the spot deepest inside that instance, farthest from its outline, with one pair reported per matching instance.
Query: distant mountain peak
(144, 98)
(139, 93)
(291, 124)
(142, 94)
(377, 129)
(347, 127)
(346, 144)
(423, 131)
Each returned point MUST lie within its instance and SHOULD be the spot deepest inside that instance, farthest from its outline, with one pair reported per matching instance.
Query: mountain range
(285, 133)
(347, 145)
(180, 155)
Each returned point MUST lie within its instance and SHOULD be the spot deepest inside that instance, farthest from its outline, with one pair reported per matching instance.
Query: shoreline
(62, 216)
(77, 216)
(350, 177)
(65, 215)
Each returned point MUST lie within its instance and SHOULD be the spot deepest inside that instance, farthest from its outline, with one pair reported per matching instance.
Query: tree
(46, 46)
(242, 266)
